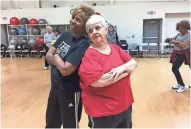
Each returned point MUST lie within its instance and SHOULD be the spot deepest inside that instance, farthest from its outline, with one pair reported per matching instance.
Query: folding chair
(35, 50)
(134, 50)
(3, 49)
(145, 49)
(26, 50)
(153, 49)
(42, 51)
(10, 50)
(18, 50)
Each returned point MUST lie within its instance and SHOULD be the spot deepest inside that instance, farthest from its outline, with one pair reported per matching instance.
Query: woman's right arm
(92, 74)
(107, 80)
(52, 49)
(49, 55)
(116, 74)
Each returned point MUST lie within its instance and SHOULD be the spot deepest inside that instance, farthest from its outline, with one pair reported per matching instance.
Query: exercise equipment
(14, 31)
(168, 40)
(40, 41)
(98, 13)
(43, 31)
(22, 31)
(23, 41)
(24, 21)
(32, 41)
(42, 21)
(13, 42)
(14, 21)
(33, 23)
(36, 31)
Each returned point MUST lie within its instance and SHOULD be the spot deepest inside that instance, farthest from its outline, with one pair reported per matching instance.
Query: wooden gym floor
(25, 88)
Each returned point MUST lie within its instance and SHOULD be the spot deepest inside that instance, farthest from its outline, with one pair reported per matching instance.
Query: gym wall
(128, 18)
(4, 39)
(171, 20)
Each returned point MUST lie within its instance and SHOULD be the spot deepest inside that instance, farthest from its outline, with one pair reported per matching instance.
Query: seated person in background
(105, 79)
(48, 38)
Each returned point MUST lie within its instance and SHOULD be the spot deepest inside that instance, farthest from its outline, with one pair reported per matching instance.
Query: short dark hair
(185, 24)
(112, 27)
(57, 31)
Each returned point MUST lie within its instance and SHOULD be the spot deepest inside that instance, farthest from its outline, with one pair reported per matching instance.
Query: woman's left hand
(173, 42)
(116, 72)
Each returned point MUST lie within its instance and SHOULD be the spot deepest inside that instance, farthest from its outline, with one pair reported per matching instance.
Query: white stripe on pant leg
(92, 122)
(75, 95)
(77, 110)
(77, 101)
(78, 98)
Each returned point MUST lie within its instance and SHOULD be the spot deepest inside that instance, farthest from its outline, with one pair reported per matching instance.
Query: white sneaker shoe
(45, 68)
(177, 86)
(181, 89)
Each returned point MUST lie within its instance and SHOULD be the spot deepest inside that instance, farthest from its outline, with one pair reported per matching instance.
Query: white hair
(96, 19)
(49, 27)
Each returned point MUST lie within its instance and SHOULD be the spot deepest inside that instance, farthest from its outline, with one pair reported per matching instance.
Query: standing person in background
(181, 53)
(48, 38)
(112, 35)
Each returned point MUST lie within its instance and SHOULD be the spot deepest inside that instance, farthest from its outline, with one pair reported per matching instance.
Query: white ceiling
(23, 4)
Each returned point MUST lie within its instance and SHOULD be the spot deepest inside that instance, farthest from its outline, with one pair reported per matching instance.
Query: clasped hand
(115, 73)
(173, 42)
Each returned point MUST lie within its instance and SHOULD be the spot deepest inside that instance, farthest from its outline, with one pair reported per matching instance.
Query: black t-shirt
(70, 50)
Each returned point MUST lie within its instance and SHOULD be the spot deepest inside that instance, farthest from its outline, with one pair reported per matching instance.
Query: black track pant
(175, 68)
(122, 120)
(63, 109)
(46, 64)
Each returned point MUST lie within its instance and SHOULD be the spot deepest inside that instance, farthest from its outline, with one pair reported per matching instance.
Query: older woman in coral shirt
(105, 79)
